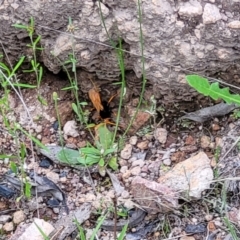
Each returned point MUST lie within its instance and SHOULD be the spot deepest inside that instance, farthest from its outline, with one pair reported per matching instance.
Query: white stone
(135, 171)
(161, 135)
(191, 8)
(8, 227)
(126, 152)
(70, 129)
(234, 24)
(32, 231)
(211, 14)
(38, 129)
(139, 162)
(18, 217)
(53, 176)
(190, 177)
(133, 140)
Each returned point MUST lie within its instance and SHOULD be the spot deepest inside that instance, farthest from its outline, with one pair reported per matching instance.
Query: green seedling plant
(213, 90)
(72, 62)
(35, 65)
(103, 153)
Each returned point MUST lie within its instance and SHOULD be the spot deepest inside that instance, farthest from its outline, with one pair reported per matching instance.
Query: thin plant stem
(143, 68)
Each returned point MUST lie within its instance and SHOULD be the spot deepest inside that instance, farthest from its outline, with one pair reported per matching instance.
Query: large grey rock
(190, 177)
(194, 35)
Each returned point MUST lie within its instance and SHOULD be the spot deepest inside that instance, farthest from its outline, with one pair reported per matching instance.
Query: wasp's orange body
(95, 98)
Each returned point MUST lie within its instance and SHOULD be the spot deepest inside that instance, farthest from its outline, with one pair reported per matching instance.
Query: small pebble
(45, 163)
(122, 162)
(127, 174)
(167, 161)
(53, 176)
(39, 136)
(161, 135)
(55, 125)
(205, 141)
(52, 203)
(18, 217)
(56, 210)
(133, 140)
(135, 171)
(215, 127)
(8, 227)
(123, 169)
(63, 179)
(138, 163)
(125, 194)
(143, 145)
(38, 129)
(6, 161)
(126, 152)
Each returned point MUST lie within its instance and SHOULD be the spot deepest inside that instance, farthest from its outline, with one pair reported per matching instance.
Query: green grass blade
(97, 227)
(123, 232)
(19, 63)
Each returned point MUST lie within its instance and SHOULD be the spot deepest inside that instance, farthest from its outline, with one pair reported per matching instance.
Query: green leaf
(109, 151)
(69, 156)
(213, 90)
(23, 85)
(73, 157)
(105, 136)
(90, 150)
(68, 88)
(101, 162)
(91, 125)
(83, 103)
(89, 160)
(22, 151)
(97, 227)
(28, 187)
(19, 63)
(123, 232)
(19, 26)
(113, 163)
(13, 167)
(42, 100)
(40, 73)
(2, 156)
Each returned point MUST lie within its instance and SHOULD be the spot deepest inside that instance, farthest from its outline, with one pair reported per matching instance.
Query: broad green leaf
(69, 156)
(109, 151)
(113, 163)
(90, 150)
(213, 90)
(105, 136)
(89, 160)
